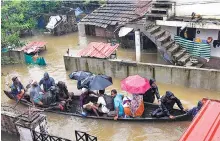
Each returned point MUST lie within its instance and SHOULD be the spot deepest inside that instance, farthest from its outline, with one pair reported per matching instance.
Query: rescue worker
(17, 89)
(166, 106)
(47, 82)
(149, 95)
(192, 112)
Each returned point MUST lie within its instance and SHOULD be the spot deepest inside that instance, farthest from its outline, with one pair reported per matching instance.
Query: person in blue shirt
(47, 82)
(118, 105)
(192, 112)
(17, 89)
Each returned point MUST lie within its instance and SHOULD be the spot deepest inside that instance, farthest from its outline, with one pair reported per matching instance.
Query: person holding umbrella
(137, 86)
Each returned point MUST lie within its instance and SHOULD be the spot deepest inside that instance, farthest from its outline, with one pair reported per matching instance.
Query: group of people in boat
(51, 94)
(115, 105)
(118, 105)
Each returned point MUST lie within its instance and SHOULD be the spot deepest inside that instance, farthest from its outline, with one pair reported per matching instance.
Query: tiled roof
(98, 50)
(33, 47)
(116, 12)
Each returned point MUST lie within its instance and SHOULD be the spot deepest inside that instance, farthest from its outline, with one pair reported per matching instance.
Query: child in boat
(126, 105)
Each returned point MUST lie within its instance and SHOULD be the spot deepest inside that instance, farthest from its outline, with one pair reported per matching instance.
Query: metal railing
(46, 137)
(83, 136)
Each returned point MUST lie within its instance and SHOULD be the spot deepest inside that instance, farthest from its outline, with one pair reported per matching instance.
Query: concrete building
(199, 20)
(106, 19)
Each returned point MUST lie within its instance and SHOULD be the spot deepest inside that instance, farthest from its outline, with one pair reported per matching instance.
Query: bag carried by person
(109, 102)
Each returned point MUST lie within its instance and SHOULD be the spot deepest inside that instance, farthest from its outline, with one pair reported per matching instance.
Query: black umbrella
(79, 75)
(97, 82)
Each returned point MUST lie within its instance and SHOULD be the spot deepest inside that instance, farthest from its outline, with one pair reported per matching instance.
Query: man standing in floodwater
(47, 82)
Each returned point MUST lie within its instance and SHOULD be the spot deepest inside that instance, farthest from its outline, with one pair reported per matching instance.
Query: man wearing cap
(166, 107)
(17, 88)
(149, 95)
(36, 94)
(47, 82)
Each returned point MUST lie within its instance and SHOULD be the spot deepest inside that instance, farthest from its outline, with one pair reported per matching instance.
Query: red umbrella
(135, 84)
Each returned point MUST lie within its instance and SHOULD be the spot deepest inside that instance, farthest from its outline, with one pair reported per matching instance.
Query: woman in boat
(150, 94)
(137, 105)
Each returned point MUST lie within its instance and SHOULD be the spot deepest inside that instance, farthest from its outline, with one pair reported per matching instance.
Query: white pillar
(81, 29)
(138, 45)
(25, 128)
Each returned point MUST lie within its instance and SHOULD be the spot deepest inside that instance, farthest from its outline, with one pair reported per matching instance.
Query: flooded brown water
(65, 126)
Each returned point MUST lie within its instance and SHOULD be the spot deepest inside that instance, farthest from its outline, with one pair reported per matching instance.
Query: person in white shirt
(101, 103)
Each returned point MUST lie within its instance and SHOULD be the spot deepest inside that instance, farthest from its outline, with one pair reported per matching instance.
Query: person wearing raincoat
(166, 106)
(192, 112)
(150, 94)
(47, 82)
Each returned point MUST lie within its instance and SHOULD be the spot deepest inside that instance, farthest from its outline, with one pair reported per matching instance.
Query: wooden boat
(75, 110)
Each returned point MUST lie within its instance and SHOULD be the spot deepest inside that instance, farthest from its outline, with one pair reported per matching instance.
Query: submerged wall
(12, 57)
(189, 77)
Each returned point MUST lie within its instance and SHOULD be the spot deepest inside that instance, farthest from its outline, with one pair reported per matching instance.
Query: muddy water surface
(65, 126)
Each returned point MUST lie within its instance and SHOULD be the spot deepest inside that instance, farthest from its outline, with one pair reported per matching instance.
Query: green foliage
(17, 16)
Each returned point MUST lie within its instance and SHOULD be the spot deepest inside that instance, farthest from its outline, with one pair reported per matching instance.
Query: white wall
(204, 34)
(208, 8)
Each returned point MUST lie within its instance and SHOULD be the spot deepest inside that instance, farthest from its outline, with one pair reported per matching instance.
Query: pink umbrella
(135, 84)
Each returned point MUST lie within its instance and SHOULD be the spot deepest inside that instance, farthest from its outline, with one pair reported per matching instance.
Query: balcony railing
(195, 49)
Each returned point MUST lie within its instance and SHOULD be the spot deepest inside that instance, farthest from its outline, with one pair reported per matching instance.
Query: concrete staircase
(162, 38)
(161, 10)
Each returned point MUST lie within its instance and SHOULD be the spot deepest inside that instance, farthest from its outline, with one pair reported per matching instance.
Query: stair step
(173, 49)
(179, 54)
(188, 64)
(156, 15)
(168, 44)
(158, 34)
(164, 38)
(162, 3)
(182, 61)
(159, 9)
(153, 29)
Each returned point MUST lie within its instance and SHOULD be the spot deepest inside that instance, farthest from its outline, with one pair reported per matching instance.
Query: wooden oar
(19, 100)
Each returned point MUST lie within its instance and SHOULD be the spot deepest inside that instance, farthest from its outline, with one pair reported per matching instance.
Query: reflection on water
(65, 126)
